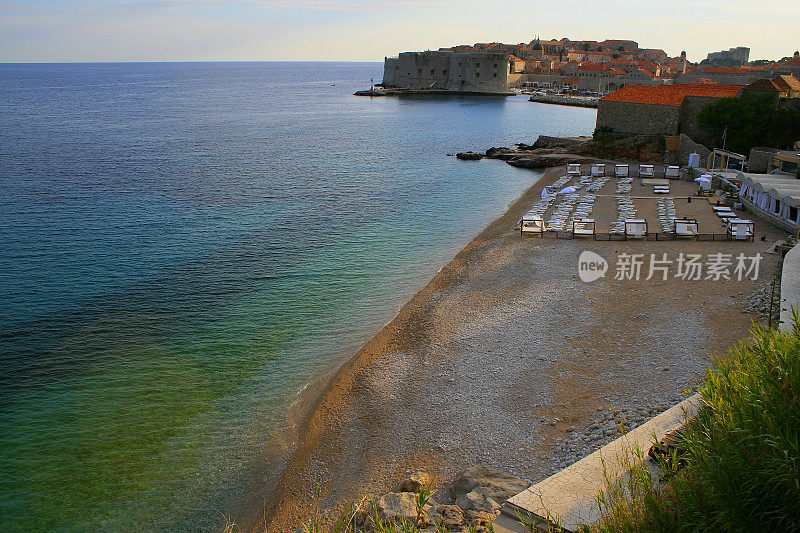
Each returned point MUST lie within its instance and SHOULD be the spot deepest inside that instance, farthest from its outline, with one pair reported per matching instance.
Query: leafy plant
(422, 498)
(741, 452)
(752, 119)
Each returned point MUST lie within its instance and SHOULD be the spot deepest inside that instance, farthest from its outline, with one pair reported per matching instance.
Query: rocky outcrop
(478, 494)
(469, 156)
(495, 152)
(557, 151)
(567, 143)
(546, 160)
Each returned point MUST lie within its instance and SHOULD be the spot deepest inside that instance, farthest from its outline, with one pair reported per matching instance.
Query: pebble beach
(507, 359)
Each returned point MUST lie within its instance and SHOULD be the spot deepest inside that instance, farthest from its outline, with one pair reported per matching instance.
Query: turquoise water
(184, 246)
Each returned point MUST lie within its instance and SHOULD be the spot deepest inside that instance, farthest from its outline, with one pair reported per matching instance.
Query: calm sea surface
(184, 246)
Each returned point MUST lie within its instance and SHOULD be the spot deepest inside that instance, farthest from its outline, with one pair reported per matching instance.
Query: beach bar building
(776, 197)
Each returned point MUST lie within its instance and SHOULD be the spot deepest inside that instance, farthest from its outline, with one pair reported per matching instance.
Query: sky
(368, 30)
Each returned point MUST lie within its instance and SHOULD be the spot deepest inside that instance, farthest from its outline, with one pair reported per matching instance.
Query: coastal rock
(493, 152)
(498, 485)
(469, 156)
(478, 500)
(547, 160)
(545, 141)
(397, 506)
(416, 481)
(449, 516)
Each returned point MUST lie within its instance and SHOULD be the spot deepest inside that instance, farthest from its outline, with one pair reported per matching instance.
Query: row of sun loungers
(666, 214)
(624, 185)
(625, 211)
(558, 219)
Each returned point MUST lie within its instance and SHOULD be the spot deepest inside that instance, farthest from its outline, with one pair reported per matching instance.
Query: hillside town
(725, 112)
(584, 66)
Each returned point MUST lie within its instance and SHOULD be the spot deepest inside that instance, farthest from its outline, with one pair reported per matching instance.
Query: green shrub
(742, 452)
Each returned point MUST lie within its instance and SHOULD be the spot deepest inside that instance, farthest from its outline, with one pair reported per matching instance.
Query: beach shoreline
(414, 397)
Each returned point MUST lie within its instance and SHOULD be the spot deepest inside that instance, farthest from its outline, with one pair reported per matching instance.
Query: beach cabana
(584, 227)
(741, 230)
(621, 171)
(672, 172)
(636, 228)
(574, 169)
(598, 169)
(774, 196)
(646, 171)
(531, 223)
(687, 227)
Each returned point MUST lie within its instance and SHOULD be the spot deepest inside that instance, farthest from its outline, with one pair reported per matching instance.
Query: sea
(184, 247)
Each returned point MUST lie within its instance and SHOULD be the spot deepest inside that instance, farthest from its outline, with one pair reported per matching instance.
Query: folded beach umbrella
(567, 190)
(702, 179)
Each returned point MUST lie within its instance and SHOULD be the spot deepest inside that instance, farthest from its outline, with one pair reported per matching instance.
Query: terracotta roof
(792, 82)
(792, 61)
(670, 94)
(572, 80)
(647, 72)
(724, 70)
(707, 81)
(591, 66)
(615, 71)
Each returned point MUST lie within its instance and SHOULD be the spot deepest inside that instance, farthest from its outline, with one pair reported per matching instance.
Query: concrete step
(506, 524)
(569, 497)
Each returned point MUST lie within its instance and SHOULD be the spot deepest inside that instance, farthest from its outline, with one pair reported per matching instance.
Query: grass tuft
(742, 453)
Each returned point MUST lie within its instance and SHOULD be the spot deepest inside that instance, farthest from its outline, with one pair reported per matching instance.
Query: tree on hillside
(752, 119)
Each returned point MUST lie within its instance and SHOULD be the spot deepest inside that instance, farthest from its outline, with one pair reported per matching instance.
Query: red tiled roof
(707, 81)
(615, 71)
(724, 70)
(670, 94)
(572, 80)
(792, 61)
(647, 72)
(791, 82)
(591, 66)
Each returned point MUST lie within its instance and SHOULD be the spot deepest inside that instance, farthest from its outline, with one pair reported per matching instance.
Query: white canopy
(784, 188)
